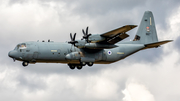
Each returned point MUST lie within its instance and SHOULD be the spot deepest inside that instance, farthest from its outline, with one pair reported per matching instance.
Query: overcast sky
(149, 75)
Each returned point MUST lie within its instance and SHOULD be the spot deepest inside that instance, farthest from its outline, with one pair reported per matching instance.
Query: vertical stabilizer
(147, 30)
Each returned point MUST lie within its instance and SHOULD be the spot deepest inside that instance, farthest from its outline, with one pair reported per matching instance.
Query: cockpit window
(21, 46)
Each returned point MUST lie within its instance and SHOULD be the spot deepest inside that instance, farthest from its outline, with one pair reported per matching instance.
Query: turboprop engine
(99, 46)
(73, 56)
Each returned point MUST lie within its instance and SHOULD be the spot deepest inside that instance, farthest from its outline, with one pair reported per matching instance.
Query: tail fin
(147, 30)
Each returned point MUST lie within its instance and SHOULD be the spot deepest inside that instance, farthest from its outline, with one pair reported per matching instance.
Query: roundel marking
(109, 52)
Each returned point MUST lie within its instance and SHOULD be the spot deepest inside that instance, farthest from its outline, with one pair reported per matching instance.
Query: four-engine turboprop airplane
(91, 49)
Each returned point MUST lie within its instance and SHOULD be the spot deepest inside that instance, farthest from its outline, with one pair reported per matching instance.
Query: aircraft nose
(12, 54)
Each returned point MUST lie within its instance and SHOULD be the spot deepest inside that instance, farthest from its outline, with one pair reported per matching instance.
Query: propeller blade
(87, 31)
(83, 32)
(74, 37)
(71, 36)
(86, 34)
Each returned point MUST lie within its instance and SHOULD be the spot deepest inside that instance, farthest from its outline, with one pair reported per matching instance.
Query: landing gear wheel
(90, 63)
(79, 67)
(25, 63)
(71, 66)
(83, 63)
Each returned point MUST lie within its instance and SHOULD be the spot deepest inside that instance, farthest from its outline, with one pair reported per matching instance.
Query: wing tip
(168, 41)
(131, 26)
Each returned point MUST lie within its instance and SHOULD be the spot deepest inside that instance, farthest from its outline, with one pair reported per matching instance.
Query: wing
(116, 35)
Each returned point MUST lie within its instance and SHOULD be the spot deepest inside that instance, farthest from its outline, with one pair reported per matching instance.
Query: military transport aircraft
(92, 49)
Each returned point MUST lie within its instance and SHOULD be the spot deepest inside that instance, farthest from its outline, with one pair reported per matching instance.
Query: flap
(118, 31)
(117, 38)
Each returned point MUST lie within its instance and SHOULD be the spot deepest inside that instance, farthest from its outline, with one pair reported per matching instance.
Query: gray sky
(149, 75)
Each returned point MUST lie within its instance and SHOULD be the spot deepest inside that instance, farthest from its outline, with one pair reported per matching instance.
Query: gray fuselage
(56, 52)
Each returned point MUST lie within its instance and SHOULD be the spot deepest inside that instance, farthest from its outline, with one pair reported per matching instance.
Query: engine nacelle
(96, 38)
(99, 46)
(73, 56)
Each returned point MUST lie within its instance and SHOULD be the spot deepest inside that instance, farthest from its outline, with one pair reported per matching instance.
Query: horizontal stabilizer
(156, 44)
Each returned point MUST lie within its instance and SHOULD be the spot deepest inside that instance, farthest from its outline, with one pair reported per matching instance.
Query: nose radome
(12, 54)
(9, 54)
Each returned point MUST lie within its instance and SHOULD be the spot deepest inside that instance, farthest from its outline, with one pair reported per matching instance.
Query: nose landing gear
(25, 63)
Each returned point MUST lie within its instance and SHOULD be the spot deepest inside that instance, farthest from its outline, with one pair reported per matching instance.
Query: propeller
(73, 42)
(86, 35)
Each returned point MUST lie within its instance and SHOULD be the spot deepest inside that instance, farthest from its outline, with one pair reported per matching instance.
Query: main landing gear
(90, 63)
(79, 66)
(25, 63)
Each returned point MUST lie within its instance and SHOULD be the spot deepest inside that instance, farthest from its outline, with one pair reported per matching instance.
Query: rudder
(147, 30)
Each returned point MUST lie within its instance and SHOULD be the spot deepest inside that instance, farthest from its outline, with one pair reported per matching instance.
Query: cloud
(136, 92)
(105, 84)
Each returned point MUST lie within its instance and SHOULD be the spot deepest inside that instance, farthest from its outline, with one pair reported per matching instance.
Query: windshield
(21, 46)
